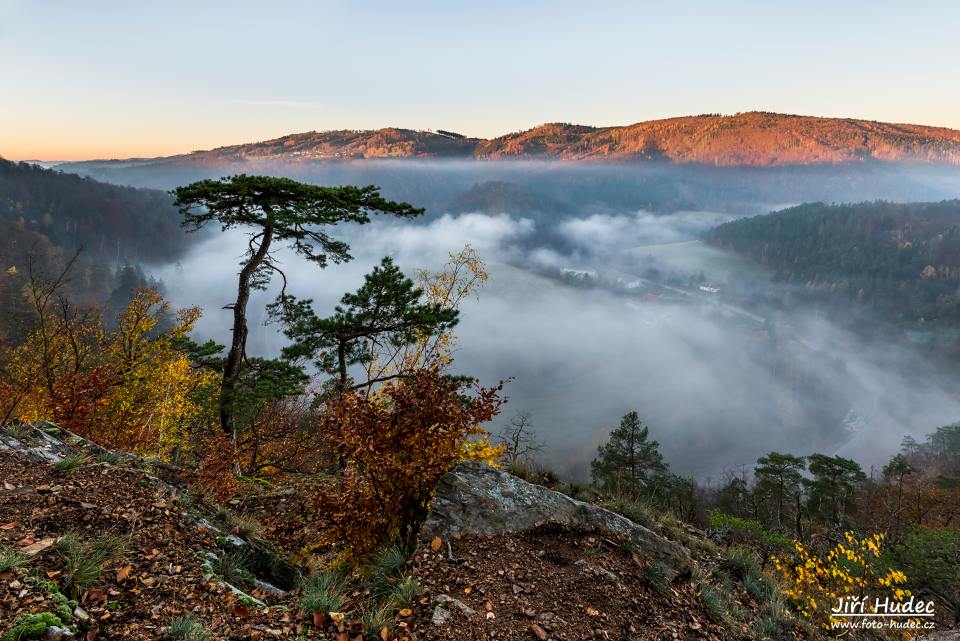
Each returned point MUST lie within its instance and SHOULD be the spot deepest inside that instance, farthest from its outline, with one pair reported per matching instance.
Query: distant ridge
(745, 139)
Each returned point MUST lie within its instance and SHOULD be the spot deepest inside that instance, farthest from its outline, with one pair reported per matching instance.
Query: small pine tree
(629, 460)
(779, 478)
(832, 490)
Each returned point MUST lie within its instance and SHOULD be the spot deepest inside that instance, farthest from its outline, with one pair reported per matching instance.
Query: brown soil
(553, 583)
(166, 577)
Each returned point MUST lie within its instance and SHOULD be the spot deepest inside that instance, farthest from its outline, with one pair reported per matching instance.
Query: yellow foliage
(127, 388)
(481, 449)
(815, 584)
(460, 278)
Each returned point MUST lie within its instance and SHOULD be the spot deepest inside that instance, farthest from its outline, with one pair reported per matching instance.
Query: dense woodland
(49, 219)
(109, 221)
(900, 259)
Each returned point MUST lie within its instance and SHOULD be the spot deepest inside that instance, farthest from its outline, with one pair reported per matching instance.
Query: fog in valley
(594, 308)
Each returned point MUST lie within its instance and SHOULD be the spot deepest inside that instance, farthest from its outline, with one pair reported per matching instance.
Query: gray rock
(447, 601)
(269, 588)
(54, 633)
(240, 593)
(475, 498)
(440, 615)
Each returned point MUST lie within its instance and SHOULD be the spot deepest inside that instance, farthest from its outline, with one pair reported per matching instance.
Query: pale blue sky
(117, 79)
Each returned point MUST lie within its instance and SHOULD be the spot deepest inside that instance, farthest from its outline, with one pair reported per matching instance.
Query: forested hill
(745, 139)
(46, 216)
(136, 225)
(882, 254)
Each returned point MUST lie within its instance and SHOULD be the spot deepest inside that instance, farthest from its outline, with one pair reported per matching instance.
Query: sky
(100, 79)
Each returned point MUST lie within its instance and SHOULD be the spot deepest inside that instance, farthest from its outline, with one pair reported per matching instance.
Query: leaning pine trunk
(231, 371)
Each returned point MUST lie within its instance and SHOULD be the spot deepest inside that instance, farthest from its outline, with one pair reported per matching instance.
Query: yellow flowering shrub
(851, 568)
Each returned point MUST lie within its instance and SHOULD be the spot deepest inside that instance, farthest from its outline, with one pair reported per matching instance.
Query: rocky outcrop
(47, 443)
(476, 499)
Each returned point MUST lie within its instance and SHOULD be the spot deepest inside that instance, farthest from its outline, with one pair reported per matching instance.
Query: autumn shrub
(215, 477)
(281, 437)
(396, 444)
(851, 568)
(129, 387)
(931, 556)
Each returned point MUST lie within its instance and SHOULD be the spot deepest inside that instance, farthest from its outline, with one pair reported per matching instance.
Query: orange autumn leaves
(395, 446)
(127, 387)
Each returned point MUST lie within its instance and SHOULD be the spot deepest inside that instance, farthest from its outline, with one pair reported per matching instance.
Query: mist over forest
(432, 321)
(595, 305)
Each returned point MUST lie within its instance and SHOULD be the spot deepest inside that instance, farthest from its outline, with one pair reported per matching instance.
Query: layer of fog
(716, 390)
(560, 189)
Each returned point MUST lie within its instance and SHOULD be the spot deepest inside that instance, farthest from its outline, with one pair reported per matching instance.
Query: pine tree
(779, 480)
(275, 210)
(387, 313)
(629, 460)
(832, 489)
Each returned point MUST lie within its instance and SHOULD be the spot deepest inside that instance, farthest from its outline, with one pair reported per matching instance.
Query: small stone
(80, 614)
(538, 632)
(517, 589)
(440, 615)
(55, 633)
(38, 547)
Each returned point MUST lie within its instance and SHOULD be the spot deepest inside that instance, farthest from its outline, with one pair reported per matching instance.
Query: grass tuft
(405, 592)
(714, 600)
(247, 528)
(375, 619)
(655, 576)
(634, 509)
(69, 463)
(740, 561)
(10, 558)
(324, 592)
(231, 566)
(85, 561)
(110, 458)
(187, 628)
(387, 567)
